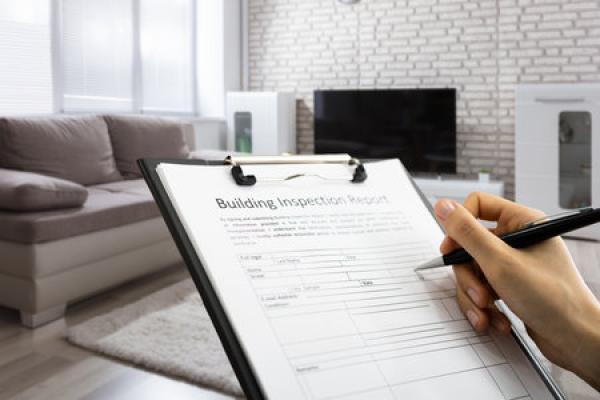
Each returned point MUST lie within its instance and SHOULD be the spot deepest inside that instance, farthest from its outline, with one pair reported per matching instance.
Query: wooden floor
(40, 365)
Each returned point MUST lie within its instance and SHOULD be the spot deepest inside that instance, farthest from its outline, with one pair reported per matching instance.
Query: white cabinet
(261, 123)
(557, 146)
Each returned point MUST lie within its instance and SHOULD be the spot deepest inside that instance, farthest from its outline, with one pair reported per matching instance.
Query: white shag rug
(168, 332)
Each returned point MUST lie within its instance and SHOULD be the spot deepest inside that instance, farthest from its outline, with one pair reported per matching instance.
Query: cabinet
(557, 148)
(261, 123)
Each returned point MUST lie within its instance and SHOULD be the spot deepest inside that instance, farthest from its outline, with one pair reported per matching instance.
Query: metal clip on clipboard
(241, 179)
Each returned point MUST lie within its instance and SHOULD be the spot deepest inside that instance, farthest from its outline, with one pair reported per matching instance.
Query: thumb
(460, 225)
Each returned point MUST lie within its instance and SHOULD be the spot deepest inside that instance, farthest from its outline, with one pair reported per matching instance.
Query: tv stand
(437, 187)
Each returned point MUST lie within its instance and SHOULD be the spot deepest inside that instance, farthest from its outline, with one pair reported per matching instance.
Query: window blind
(97, 50)
(166, 41)
(25, 61)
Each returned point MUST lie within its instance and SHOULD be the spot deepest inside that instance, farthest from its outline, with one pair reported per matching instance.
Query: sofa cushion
(26, 191)
(135, 137)
(75, 149)
(132, 186)
(102, 210)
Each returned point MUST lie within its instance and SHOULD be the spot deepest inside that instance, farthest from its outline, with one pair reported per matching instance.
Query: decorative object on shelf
(556, 156)
(565, 130)
(242, 131)
(261, 123)
(484, 175)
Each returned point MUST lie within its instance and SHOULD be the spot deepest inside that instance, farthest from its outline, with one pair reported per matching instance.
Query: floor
(40, 364)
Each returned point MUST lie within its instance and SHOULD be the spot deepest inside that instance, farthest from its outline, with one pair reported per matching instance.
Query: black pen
(532, 233)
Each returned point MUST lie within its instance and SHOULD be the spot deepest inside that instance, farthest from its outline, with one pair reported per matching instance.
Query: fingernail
(473, 317)
(474, 296)
(443, 208)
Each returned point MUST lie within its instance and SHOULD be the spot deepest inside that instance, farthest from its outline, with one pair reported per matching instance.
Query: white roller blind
(98, 55)
(25, 57)
(166, 35)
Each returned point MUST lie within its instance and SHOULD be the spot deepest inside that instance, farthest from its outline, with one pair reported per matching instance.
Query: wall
(544, 41)
(482, 48)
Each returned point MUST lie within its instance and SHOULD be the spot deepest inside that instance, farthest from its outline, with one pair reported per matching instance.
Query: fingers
(475, 299)
(464, 229)
(499, 321)
(477, 317)
(472, 286)
(486, 206)
(474, 295)
(510, 216)
(482, 319)
(447, 245)
(490, 208)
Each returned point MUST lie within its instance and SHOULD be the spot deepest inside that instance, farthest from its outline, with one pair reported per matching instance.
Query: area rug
(168, 332)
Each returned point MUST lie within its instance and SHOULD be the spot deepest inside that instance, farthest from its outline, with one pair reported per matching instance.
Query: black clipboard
(236, 355)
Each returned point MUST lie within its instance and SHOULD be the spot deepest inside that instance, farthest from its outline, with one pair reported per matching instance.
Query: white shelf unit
(557, 148)
(268, 118)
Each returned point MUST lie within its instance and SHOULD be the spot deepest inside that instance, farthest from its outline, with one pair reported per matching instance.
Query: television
(418, 126)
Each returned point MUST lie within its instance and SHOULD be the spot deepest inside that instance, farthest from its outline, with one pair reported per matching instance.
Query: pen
(532, 233)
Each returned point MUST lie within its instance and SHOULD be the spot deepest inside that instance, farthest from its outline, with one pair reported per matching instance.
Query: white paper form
(317, 279)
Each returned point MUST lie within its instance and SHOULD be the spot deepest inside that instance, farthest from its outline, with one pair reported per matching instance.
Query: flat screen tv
(418, 126)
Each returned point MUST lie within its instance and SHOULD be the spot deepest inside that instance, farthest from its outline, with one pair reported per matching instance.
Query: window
(97, 55)
(167, 55)
(128, 55)
(26, 63)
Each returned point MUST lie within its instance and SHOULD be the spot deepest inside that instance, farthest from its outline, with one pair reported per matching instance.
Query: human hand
(540, 284)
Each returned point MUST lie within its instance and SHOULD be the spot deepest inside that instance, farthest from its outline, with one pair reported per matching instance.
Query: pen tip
(435, 263)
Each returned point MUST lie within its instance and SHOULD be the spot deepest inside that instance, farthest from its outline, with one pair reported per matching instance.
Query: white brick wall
(482, 48)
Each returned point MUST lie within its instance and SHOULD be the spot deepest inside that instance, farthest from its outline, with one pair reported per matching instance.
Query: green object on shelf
(243, 144)
(243, 131)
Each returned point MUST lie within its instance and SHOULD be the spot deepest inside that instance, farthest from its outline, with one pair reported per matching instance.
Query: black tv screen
(418, 126)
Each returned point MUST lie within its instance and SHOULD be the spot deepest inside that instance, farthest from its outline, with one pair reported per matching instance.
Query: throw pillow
(135, 137)
(26, 191)
(75, 149)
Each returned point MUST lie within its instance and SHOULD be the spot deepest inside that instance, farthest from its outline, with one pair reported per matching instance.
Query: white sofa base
(52, 314)
(40, 287)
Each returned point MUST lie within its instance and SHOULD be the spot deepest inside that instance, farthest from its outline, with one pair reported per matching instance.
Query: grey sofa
(50, 258)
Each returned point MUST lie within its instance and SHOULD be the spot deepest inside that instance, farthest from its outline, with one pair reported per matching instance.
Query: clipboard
(223, 326)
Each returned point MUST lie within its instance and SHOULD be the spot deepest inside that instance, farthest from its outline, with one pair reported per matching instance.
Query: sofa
(75, 216)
